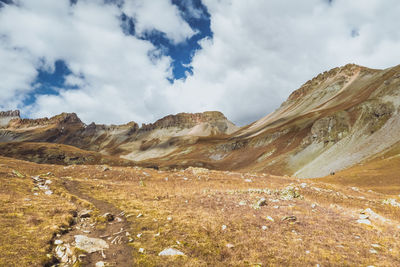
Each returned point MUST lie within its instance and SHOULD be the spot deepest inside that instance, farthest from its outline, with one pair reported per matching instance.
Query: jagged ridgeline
(338, 119)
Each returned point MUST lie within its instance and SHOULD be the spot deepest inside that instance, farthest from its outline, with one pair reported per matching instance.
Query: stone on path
(171, 252)
(89, 244)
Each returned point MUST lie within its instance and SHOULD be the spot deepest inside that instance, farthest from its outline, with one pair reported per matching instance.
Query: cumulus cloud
(121, 82)
(263, 50)
(158, 15)
(260, 52)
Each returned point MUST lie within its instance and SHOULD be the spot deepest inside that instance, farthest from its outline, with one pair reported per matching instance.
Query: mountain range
(334, 121)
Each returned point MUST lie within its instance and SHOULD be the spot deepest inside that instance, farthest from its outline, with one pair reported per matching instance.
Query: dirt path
(113, 232)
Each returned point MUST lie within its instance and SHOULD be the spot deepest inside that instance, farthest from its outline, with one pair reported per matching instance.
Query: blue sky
(48, 82)
(115, 61)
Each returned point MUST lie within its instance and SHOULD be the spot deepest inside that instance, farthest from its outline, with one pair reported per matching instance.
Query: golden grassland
(211, 216)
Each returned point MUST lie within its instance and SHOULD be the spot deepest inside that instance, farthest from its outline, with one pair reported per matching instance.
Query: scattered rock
(289, 193)
(108, 217)
(229, 245)
(242, 203)
(303, 185)
(261, 202)
(264, 227)
(100, 264)
(289, 218)
(171, 252)
(139, 215)
(58, 242)
(64, 254)
(48, 192)
(373, 251)
(364, 221)
(269, 218)
(392, 202)
(89, 244)
(248, 180)
(223, 227)
(85, 213)
(141, 250)
(313, 206)
(18, 174)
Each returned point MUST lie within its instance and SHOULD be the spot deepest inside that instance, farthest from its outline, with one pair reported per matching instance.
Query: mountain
(127, 141)
(334, 121)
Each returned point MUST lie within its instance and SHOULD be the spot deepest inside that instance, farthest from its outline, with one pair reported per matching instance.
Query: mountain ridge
(332, 122)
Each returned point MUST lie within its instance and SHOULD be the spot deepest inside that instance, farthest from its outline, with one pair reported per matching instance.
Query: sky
(115, 61)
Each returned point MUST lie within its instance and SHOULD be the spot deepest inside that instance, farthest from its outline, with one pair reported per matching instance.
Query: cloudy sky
(114, 61)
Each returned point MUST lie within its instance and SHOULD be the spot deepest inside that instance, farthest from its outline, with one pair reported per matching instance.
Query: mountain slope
(332, 122)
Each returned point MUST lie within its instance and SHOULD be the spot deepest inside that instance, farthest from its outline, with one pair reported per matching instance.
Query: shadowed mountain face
(334, 121)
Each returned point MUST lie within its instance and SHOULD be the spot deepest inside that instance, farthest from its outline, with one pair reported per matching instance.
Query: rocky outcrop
(7, 116)
(62, 119)
(189, 120)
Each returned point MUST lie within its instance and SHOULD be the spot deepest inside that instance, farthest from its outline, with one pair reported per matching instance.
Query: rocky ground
(129, 216)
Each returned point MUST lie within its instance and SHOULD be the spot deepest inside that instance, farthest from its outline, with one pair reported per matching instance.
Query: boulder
(171, 252)
(89, 244)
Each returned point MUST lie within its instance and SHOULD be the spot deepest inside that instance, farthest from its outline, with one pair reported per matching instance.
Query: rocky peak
(61, 119)
(7, 116)
(185, 120)
(10, 113)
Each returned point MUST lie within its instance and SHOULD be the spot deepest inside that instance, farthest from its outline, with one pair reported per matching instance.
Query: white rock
(171, 252)
(100, 264)
(58, 242)
(248, 180)
(48, 192)
(89, 244)
(313, 205)
(242, 203)
(229, 245)
(373, 251)
(223, 227)
(364, 221)
(269, 218)
(139, 235)
(264, 227)
(141, 250)
(303, 185)
(375, 245)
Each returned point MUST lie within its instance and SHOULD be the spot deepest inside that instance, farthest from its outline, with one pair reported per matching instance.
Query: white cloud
(263, 50)
(260, 52)
(121, 82)
(158, 15)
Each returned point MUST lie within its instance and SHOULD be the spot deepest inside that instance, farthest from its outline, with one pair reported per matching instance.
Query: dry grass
(187, 211)
(199, 205)
(28, 222)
